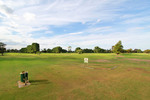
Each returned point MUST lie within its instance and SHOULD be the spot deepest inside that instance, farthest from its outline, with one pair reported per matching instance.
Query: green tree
(108, 51)
(35, 47)
(118, 48)
(29, 49)
(129, 50)
(64, 50)
(87, 50)
(8, 50)
(44, 50)
(78, 48)
(57, 49)
(69, 49)
(96, 49)
(147, 51)
(139, 51)
(99, 50)
(23, 50)
(49, 51)
(79, 51)
(2, 48)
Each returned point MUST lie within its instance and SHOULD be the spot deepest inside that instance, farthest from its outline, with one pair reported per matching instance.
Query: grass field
(66, 77)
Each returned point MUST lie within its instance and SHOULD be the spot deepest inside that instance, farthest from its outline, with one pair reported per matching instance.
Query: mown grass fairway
(65, 77)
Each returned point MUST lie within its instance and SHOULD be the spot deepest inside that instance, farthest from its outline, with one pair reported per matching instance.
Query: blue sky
(76, 23)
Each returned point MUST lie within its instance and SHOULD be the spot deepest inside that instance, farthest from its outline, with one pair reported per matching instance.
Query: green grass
(65, 77)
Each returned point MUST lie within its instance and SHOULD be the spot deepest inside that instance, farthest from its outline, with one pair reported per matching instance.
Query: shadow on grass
(38, 82)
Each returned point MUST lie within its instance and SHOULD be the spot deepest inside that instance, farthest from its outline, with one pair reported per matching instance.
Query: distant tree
(79, 51)
(49, 51)
(64, 50)
(134, 51)
(102, 50)
(44, 50)
(2, 48)
(16, 50)
(23, 50)
(129, 50)
(147, 51)
(29, 49)
(69, 49)
(96, 49)
(78, 48)
(112, 48)
(35, 47)
(87, 50)
(38, 52)
(137, 51)
(118, 48)
(99, 50)
(8, 50)
(57, 49)
(13, 50)
(108, 51)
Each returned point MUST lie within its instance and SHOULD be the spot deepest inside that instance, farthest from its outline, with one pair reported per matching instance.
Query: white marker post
(86, 61)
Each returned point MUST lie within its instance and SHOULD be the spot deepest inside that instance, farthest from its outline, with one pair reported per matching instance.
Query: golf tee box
(23, 79)
(22, 84)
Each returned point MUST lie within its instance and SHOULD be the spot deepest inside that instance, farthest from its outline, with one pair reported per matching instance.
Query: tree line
(35, 48)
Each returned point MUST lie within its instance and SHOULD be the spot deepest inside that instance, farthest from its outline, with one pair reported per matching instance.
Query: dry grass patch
(101, 60)
(103, 68)
(139, 60)
(119, 56)
(139, 69)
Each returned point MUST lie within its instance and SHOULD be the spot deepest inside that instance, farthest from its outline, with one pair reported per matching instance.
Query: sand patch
(139, 60)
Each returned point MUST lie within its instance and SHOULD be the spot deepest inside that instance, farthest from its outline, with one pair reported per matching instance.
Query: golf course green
(64, 76)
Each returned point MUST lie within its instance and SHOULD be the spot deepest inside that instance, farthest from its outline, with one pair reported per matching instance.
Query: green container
(22, 77)
(26, 75)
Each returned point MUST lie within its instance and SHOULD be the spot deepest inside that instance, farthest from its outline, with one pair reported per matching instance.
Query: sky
(75, 23)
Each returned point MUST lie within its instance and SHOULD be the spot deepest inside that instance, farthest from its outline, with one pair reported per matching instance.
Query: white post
(85, 62)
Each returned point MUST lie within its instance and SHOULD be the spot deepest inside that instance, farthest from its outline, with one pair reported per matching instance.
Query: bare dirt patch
(139, 60)
(119, 56)
(139, 69)
(103, 68)
(102, 60)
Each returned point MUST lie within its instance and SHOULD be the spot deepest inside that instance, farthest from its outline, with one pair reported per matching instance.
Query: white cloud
(98, 20)
(22, 18)
(6, 11)
(100, 29)
(76, 33)
(137, 20)
(29, 16)
(49, 32)
(129, 39)
(62, 12)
